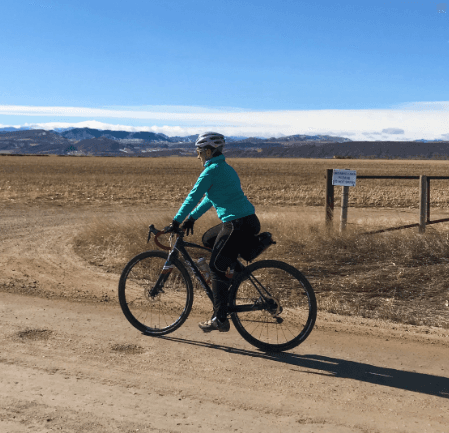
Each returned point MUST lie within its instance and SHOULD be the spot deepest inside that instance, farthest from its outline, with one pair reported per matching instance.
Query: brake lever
(151, 230)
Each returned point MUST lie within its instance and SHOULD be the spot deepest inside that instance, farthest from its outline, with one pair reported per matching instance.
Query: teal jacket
(220, 184)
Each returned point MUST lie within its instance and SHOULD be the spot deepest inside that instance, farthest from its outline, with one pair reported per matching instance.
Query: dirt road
(70, 362)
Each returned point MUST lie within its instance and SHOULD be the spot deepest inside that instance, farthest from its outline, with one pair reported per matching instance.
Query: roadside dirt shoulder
(81, 367)
(70, 361)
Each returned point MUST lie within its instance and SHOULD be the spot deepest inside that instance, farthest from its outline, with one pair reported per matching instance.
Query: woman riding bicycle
(220, 186)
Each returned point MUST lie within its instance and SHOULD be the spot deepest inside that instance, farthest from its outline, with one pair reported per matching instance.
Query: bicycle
(271, 303)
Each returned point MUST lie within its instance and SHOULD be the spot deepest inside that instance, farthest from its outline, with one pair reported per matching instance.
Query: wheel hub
(275, 306)
(149, 297)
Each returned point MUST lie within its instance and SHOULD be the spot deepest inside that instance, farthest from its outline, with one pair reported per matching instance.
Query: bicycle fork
(163, 277)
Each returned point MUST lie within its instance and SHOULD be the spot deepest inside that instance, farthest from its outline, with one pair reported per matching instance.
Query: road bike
(271, 303)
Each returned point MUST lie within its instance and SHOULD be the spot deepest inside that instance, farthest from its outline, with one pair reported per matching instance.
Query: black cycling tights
(226, 240)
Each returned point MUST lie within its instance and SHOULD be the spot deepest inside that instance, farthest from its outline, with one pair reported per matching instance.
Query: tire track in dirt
(38, 256)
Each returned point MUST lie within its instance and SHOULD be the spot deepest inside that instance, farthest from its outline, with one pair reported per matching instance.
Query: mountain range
(86, 133)
(94, 142)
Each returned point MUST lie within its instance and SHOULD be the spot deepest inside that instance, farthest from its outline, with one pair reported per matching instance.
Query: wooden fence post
(428, 199)
(422, 203)
(329, 205)
(344, 208)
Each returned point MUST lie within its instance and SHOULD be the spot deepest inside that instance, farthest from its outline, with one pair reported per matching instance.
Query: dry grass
(74, 181)
(400, 276)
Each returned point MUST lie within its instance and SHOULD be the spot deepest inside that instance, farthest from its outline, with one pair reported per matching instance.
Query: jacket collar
(214, 160)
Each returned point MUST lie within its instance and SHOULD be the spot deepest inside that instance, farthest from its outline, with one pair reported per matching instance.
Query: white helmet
(210, 139)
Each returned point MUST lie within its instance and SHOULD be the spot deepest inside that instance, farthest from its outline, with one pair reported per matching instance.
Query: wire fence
(424, 201)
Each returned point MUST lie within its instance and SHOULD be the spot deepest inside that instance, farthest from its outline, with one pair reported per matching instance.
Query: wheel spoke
(279, 285)
(169, 308)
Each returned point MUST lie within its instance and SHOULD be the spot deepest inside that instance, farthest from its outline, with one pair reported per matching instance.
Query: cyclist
(220, 186)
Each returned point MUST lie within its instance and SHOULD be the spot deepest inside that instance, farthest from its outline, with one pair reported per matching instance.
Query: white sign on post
(344, 177)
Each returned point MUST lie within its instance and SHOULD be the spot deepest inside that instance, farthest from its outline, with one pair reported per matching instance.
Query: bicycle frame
(179, 248)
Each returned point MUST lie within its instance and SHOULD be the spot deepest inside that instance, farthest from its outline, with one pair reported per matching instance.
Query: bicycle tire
(263, 329)
(169, 309)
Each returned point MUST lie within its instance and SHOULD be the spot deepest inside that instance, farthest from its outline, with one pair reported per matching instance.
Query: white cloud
(424, 106)
(176, 109)
(427, 120)
(94, 124)
(393, 131)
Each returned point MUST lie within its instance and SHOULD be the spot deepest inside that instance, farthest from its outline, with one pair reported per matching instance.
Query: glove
(173, 227)
(188, 225)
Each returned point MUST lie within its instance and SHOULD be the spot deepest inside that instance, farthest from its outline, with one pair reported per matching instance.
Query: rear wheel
(284, 306)
(161, 313)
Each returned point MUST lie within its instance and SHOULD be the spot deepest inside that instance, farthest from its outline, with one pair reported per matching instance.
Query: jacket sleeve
(200, 188)
(202, 208)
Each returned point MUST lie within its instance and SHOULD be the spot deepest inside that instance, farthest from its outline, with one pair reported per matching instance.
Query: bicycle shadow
(335, 367)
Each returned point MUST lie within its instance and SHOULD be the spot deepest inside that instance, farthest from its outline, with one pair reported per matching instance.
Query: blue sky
(365, 70)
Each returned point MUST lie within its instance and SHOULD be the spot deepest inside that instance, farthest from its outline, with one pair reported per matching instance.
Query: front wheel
(273, 306)
(155, 312)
